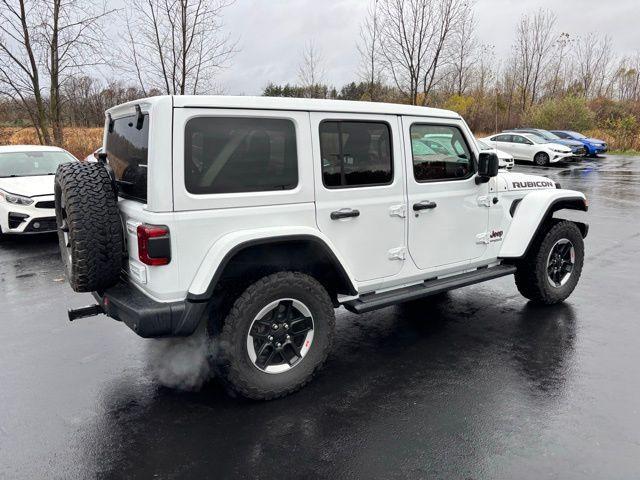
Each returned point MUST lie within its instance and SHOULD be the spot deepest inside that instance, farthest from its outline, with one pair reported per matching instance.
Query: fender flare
(530, 215)
(225, 248)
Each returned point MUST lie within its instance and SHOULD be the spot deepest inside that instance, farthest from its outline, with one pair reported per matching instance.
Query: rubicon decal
(532, 184)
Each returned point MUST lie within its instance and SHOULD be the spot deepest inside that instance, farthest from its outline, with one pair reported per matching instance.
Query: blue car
(593, 145)
(577, 148)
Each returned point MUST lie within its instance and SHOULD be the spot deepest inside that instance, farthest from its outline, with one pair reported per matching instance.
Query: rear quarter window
(234, 155)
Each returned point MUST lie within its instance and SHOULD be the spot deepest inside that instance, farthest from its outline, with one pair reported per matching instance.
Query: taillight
(154, 244)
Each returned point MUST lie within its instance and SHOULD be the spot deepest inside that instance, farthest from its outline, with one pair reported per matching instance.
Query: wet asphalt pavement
(479, 385)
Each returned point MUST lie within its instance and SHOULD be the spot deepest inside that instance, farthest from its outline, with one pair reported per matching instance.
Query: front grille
(16, 219)
(46, 204)
(47, 224)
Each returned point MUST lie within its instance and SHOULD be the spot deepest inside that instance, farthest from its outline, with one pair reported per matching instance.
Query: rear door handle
(424, 205)
(344, 213)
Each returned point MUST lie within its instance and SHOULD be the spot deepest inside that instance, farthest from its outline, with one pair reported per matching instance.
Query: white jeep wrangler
(257, 217)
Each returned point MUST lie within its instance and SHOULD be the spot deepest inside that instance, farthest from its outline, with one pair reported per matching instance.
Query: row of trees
(408, 57)
(422, 52)
(47, 47)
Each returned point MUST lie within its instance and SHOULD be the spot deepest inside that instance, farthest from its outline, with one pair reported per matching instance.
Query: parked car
(506, 159)
(577, 148)
(258, 216)
(594, 146)
(529, 147)
(93, 157)
(26, 187)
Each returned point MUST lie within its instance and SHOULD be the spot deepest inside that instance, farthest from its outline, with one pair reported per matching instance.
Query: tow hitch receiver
(88, 311)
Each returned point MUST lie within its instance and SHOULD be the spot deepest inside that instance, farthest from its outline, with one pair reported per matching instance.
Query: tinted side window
(520, 139)
(232, 155)
(355, 154)
(503, 138)
(440, 152)
(127, 149)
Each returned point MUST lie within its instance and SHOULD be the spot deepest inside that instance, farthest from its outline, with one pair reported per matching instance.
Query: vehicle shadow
(420, 382)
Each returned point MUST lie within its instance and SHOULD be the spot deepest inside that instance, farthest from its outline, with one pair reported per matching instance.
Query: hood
(28, 186)
(559, 146)
(510, 181)
(594, 140)
(567, 142)
(503, 155)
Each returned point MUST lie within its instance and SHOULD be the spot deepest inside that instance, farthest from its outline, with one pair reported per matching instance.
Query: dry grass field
(79, 141)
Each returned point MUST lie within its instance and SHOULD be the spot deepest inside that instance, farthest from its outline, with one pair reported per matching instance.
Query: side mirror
(488, 164)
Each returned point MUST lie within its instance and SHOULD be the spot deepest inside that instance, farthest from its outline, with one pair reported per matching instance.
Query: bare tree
(20, 77)
(592, 61)
(560, 65)
(369, 49)
(626, 80)
(178, 46)
(311, 70)
(463, 51)
(416, 36)
(44, 43)
(532, 52)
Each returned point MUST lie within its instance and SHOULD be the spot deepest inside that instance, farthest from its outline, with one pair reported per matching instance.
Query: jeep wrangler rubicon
(257, 217)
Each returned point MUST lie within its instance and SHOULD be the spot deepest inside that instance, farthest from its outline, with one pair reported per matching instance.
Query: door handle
(424, 205)
(344, 213)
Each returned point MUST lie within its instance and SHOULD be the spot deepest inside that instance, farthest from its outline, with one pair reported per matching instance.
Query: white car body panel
(227, 243)
(529, 213)
(386, 247)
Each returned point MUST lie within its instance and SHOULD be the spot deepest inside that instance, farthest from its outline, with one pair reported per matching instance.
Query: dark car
(577, 147)
(594, 146)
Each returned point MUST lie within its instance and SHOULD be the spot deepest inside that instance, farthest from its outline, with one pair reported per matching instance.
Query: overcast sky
(272, 33)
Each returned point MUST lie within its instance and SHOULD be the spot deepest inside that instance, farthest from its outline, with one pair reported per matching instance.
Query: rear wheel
(276, 336)
(541, 159)
(551, 269)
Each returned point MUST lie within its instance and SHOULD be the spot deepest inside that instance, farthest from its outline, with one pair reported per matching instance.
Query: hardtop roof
(299, 104)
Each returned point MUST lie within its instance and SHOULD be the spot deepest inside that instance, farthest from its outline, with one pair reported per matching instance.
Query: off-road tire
(87, 207)
(531, 273)
(541, 159)
(238, 373)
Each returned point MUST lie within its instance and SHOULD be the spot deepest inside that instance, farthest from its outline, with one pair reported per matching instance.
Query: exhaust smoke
(181, 363)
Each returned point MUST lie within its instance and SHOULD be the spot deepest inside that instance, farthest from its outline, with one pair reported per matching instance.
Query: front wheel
(276, 336)
(551, 268)
(541, 159)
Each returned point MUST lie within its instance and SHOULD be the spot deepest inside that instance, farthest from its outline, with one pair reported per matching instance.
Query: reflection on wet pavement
(477, 384)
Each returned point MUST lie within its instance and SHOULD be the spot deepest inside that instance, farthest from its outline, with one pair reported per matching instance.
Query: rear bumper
(147, 317)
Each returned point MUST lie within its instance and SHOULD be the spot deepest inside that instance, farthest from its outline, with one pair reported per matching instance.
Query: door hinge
(398, 211)
(399, 253)
(484, 200)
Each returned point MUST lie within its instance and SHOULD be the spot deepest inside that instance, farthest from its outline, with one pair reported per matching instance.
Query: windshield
(547, 135)
(576, 135)
(482, 145)
(29, 164)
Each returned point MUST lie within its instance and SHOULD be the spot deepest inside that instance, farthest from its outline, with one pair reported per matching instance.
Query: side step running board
(373, 301)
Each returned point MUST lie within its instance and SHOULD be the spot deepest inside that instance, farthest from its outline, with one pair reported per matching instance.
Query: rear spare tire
(89, 226)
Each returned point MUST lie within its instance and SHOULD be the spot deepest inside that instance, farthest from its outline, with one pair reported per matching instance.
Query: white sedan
(506, 160)
(529, 147)
(26, 187)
